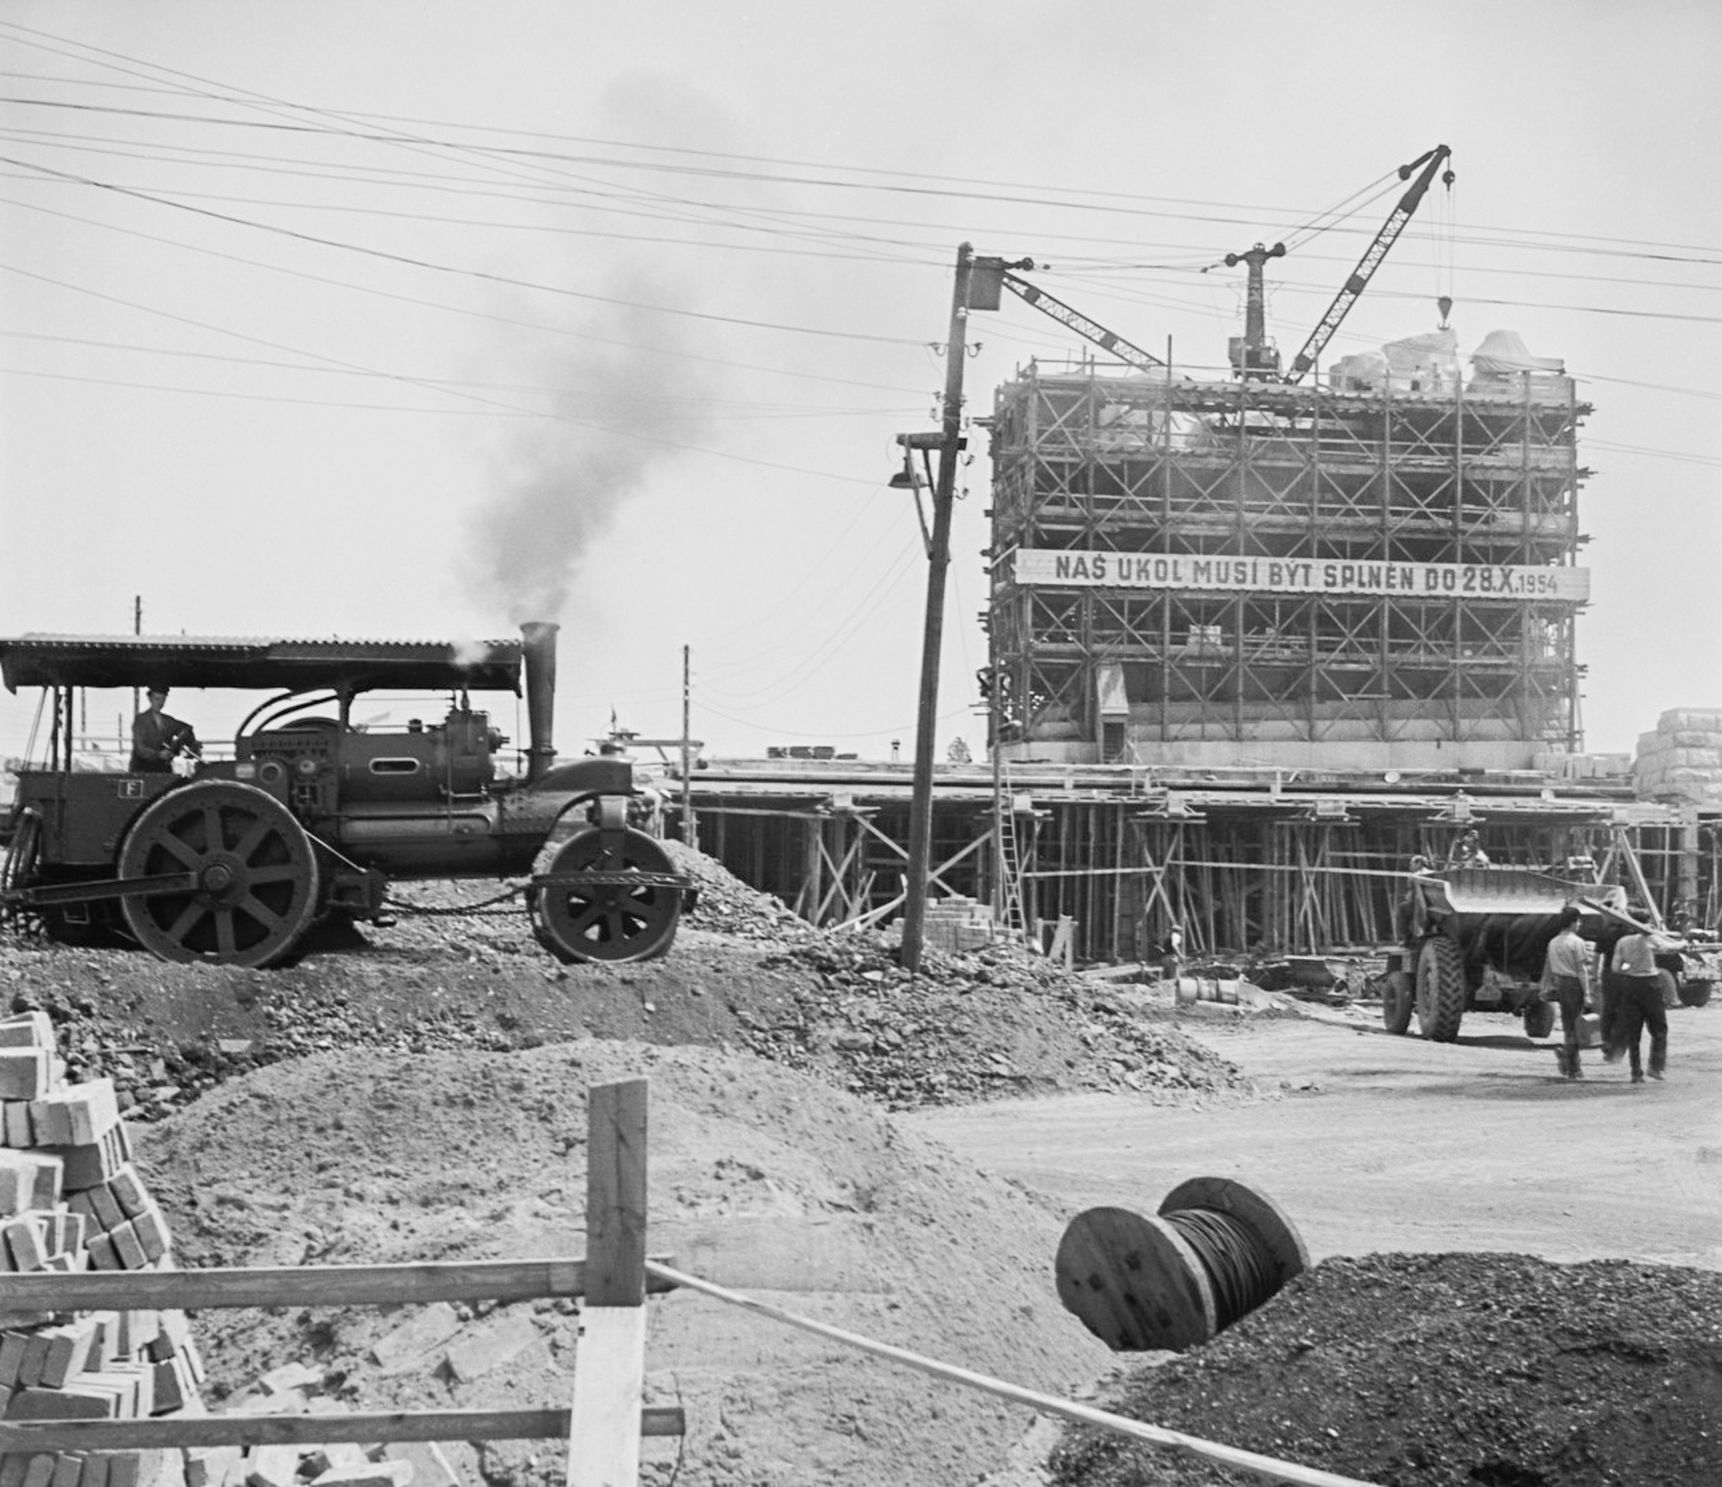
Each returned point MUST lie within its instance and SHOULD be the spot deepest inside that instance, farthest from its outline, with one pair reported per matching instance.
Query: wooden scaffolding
(1249, 867)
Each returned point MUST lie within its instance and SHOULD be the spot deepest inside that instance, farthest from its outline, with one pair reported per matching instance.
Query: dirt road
(1392, 1143)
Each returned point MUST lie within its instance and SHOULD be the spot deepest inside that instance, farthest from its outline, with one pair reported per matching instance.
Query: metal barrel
(1204, 989)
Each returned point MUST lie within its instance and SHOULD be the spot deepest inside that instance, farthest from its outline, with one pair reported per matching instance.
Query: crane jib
(1371, 260)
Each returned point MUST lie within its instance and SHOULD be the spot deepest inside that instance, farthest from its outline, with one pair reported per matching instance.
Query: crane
(986, 277)
(1371, 260)
(1252, 354)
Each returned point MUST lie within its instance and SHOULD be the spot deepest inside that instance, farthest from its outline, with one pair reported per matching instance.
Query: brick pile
(1681, 762)
(957, 924)
(70, 1200)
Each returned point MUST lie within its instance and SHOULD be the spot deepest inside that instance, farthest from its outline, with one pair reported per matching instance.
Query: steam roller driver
(158, 739)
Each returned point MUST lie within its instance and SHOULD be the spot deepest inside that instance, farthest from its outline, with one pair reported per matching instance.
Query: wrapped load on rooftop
(1682, 759)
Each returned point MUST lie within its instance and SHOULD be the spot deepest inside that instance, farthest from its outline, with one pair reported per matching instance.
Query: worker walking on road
(1567, 975)
(1638, 1001)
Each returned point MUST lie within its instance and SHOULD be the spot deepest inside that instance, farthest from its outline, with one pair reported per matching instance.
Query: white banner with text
(1161, 570)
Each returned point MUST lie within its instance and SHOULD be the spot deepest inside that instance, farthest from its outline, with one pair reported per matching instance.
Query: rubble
(1442, 1371)
(459, 969)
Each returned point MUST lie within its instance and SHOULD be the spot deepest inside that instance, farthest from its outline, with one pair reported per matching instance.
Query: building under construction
(1375, 573)
(1241, 860)
(1256, 644)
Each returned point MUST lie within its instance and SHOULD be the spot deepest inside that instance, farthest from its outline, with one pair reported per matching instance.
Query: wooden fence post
(610, 1363)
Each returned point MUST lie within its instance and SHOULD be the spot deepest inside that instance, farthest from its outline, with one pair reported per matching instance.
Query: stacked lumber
(70, 1200)
(1681, 762)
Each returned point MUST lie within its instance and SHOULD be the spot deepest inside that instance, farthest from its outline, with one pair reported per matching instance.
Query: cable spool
(1215, 1252)
(1188, 989)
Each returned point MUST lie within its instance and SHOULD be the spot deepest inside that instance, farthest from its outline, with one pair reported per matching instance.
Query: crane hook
(1444, 304)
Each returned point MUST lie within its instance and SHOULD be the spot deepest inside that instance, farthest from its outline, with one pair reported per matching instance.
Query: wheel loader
(1474, 939)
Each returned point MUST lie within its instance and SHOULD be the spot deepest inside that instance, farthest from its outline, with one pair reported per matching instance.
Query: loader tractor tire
(1539, 1019)
(1396, 999)
(1440, 989)
(1695, 993)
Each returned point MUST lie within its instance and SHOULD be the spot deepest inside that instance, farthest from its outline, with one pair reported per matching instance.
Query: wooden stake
(610, 1365)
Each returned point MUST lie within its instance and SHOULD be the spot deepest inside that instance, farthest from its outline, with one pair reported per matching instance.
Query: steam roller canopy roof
(259, 663)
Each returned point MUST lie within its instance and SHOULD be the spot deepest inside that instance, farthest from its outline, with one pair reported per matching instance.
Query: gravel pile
(1443, 1371)
(971, 1027)
(726, 905)
(459, 968)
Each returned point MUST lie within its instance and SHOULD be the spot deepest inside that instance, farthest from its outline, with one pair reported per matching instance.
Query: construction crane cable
(1334, 215)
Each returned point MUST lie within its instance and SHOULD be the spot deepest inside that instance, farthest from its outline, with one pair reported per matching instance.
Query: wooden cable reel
(1215, 1251)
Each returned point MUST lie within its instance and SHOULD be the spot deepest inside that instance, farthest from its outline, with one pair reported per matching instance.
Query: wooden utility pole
(938, 560)
(690, 827)
(137, 629)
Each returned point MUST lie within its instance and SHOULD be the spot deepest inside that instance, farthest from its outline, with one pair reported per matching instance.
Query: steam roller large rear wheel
(256, 870)
(606, 920)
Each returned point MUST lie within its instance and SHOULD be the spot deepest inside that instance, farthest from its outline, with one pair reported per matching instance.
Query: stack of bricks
(957, 924)
(70, 1200)
(1681, 762)
(293, 1389)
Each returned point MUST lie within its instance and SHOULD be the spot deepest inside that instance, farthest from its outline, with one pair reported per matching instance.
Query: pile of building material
(71, 1200)
(1681, 762)
(957, 924)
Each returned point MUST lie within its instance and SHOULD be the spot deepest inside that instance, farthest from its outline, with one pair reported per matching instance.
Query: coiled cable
(1239, 1266)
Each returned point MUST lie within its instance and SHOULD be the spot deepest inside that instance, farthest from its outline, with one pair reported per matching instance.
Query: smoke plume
(622, 404)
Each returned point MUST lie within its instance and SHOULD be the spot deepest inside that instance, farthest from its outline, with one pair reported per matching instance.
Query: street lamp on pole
(976, 287)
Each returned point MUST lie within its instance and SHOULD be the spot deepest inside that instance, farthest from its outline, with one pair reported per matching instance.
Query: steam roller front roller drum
(613, 920)
(257, 879)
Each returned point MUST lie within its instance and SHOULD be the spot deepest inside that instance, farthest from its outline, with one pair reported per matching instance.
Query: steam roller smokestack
(539, 652)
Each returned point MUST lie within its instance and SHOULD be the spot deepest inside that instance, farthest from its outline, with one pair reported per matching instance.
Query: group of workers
(1628, 993)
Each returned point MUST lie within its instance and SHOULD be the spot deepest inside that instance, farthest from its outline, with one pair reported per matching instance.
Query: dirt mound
(1430, 1370)
(459, 968)
(760, 1177)
(726, 904)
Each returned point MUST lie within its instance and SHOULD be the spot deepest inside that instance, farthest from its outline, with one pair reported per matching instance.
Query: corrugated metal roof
(258, 662)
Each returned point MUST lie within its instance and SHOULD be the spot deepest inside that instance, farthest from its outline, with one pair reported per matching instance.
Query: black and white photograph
(882, 745)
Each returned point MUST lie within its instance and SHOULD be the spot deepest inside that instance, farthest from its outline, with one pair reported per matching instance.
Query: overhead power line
(443, 268)
(452, 309)
(627, 433)
(875, 179)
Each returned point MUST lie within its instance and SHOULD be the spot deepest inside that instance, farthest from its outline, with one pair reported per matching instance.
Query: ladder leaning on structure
(1009, 863)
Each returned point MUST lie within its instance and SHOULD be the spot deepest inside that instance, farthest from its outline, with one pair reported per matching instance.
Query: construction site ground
(1517, 1279)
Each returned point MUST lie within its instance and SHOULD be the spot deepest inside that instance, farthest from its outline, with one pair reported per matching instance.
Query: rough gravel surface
(419, 1095)
(760, 1178)
(458, 970)
(1444, 1371)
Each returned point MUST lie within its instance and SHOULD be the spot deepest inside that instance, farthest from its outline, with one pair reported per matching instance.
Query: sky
(415, 321)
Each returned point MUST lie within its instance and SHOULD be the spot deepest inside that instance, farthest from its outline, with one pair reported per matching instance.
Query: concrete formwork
(1240, 865)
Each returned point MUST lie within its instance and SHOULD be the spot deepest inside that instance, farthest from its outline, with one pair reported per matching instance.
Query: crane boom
(1371, 260)
(1091, 330)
